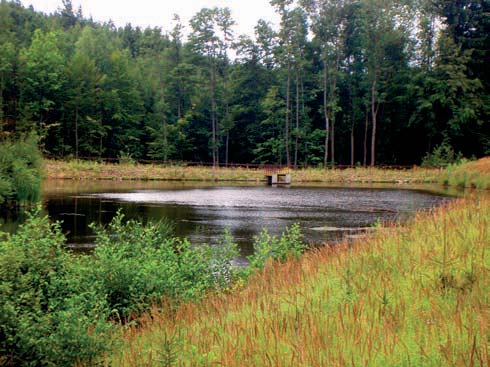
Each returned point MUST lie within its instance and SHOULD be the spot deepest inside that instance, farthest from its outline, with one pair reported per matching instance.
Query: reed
(406, 296)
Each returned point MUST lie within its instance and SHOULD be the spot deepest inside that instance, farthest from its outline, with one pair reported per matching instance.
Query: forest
(352, 82)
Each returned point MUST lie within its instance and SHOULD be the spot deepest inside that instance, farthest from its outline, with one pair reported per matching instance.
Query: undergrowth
(60, 309)
(20, 172)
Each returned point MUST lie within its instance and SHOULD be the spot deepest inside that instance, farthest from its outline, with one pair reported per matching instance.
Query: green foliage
(42, 81)
(126, 158)
(20, 171)
(140, 265)
(93, 90)
(267, 247)
(58, 309)
(51, 313)
(442, 156)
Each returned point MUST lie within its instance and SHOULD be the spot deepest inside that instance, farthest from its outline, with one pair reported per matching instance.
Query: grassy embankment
(417, 295)
(470, 174)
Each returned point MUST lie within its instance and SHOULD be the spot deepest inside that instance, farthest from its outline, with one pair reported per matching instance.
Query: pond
(202, 211)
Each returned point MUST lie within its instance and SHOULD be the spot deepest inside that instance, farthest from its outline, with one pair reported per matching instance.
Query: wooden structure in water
(277, 175)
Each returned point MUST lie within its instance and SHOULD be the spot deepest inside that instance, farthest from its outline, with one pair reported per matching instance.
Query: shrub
(50, 315)
(442, 156)
(20, 171)
(288, 245)
(138, 265)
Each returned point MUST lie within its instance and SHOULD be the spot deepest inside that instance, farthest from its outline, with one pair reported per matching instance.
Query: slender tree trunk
(165, 141)
(228, 128)
(179, 108)
(352, 146)
(100, 145)
(366, 125)
(1, 108)
(214, 121)
(76, 132)
(288, 107)
(374, 112)
(297, 121)
(334, 93)
(227, 123)
(227, 146)
(332, 142)
(325, 112)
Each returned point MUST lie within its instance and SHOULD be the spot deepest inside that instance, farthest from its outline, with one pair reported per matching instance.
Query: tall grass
(474, 174)
(417, 295)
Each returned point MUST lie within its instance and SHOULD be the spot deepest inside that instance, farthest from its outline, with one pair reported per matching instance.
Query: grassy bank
(411, 296)
(471, 174)
(92, 170)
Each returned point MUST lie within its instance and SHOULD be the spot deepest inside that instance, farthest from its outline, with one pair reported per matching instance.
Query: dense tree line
(340, 81)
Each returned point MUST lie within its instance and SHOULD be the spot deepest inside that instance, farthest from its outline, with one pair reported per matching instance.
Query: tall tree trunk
(327, 117)
(352, 146)
(165, 141)
(297, 121)
(179, 108)
(2, 124)
(333, 140)
(214, 121)
(100, 145)
(334, 112)
(374, 112)
(366, 125)
(288, 107)
(76, 132)
(227, 146)
(228, 128)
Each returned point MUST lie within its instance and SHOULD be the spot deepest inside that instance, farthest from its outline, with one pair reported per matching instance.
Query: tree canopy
(339, 82)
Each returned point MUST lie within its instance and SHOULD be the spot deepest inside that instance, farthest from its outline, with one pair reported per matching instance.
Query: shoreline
(82, 170)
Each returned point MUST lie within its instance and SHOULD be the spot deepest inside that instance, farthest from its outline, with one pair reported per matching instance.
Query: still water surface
(202, 211)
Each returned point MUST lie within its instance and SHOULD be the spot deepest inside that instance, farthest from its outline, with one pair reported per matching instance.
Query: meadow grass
(415, 295)
(469, 174)
(108, 171)
(474, 174)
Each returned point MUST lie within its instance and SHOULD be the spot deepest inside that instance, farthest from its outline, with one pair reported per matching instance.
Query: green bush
(50, 314)
(58, 309)
(442, 156)
(20, 171)
(288, 245)
(139, 265)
